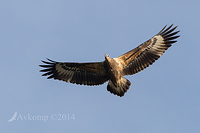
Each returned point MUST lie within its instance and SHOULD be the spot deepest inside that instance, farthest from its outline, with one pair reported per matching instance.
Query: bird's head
(107, 58)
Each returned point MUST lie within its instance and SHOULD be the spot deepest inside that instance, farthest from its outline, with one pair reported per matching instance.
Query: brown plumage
(113, 69)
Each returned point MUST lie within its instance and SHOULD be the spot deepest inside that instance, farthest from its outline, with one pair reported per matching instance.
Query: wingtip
(50, 60)
(162, 29)
(165, 28)
(169, 31)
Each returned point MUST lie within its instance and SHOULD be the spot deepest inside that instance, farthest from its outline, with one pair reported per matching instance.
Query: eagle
(113, 70)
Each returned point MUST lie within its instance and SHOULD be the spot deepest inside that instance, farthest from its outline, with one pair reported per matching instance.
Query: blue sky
(162, 99)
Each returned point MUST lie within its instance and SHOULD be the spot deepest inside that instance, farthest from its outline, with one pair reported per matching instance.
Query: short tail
(121, 88)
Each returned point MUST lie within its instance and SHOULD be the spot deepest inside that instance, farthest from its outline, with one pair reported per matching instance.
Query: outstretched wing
(147, 53)
(79, 73)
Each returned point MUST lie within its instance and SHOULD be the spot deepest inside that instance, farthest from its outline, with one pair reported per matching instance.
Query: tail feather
(121, 88)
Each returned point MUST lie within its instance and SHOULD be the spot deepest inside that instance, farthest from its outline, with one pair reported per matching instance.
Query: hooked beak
(106, 55)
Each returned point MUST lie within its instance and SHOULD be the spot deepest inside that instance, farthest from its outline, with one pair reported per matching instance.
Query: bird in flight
(113, 69)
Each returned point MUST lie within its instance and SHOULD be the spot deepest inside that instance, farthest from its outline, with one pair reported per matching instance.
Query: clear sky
(165, 98)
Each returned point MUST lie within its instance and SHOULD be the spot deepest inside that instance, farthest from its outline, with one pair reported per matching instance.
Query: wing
(79, 73)
(147, 53)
